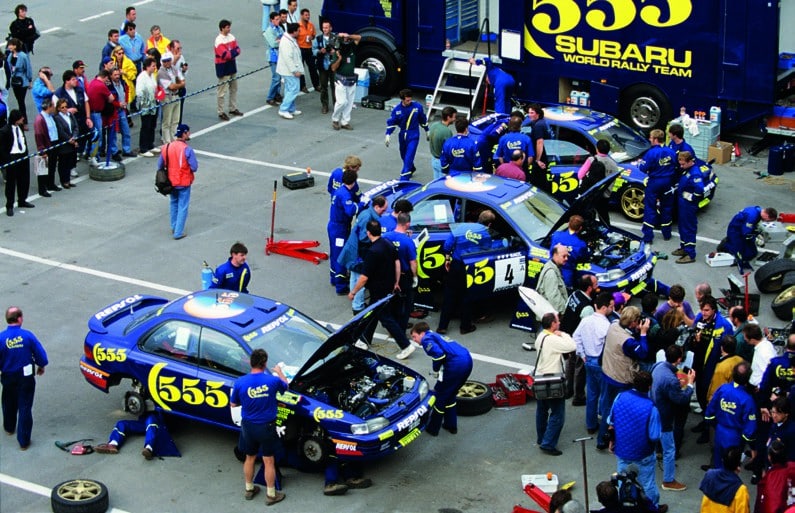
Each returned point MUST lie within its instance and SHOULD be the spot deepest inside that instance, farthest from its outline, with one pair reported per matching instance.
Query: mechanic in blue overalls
(453, 363)
(659, 164)
(740, 239)
(732, 411)
(409, 116)
(690, 192)
(677, 134)
(464, 238)
(234, 274)
(335, 177)
(460, 153)
(344, 206)
(514, 140)
(157, 441)
(502, 82)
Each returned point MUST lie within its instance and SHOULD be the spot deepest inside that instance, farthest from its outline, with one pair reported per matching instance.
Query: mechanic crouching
(453, 363)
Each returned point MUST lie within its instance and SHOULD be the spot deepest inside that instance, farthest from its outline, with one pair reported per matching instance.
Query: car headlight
(424, 388)
(370, 426)
(611, 275)
(647, 249)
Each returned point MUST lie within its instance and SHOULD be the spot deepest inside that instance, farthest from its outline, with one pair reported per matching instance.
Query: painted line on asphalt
(49, 30)
(100, 15)
(36, 488)
(182, 292)
(142, 2)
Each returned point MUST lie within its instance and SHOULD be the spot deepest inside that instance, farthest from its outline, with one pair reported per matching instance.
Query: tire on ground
(474, 398)
(79, 496)
(784, 303)
(769, 277)
(115, 171)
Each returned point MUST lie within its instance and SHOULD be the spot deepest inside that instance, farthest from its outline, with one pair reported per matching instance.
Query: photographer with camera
(322, 47)
(343, 64)
(635, 422)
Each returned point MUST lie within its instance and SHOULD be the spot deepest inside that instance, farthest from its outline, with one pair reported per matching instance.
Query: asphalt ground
(85, 248)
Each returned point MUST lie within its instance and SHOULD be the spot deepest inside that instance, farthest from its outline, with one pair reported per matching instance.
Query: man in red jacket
(180, 160)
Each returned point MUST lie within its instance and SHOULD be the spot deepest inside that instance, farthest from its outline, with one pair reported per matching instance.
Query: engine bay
(607, 247)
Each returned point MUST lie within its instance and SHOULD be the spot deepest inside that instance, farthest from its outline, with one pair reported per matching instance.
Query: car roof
(235, 311)
(583, 118)
(484, 187)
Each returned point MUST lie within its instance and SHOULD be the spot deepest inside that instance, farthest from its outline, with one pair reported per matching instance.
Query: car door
(222, 359)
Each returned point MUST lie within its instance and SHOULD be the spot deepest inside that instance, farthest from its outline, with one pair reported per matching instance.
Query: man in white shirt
(763, 352)
(13, 147)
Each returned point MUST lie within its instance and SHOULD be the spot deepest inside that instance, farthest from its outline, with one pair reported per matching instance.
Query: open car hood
(585, 203)
(347, 335)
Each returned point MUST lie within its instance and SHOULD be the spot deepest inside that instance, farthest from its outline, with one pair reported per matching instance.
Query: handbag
(16, 81)
(548, 386)
(162, 183)
(40, 165)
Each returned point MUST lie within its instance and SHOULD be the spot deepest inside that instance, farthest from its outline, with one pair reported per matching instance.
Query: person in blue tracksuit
(514, 140)
(157, 441)
(733, 413)
(659, 164)
(460, 153)
(502, 82)
(453, 363)
(335, 177)
(409, 116)
(740, 239)
(690, 191)
(344, 207)
(234, 274)
(677, 134)
(578, 249)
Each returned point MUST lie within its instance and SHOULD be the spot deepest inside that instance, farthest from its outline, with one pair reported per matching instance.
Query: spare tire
(107, 172)
(79, 496)
(473, 398)
(769, 277)
(784, 303)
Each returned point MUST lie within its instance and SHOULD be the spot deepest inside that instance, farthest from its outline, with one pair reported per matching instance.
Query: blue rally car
(572, 137)
(184, 355)
(526, 218)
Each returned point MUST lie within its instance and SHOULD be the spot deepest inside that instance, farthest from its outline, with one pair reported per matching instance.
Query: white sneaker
(285, 115)
(297, 113)
(155, 150)
(361, 344)
(147, 154)
(74, 174)
(405, 353)
(529, 346)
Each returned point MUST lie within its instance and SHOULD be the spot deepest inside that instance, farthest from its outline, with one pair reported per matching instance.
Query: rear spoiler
(99, 322)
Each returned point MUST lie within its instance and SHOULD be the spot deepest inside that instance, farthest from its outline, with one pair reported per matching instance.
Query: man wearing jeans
(669, 396)
(273, 35)
(181, 163)
(590, 339)
(290, 67)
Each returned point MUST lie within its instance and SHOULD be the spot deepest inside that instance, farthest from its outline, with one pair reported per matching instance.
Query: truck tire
(79, 496)
(784, 303)
(631, 202)
(644, 107)
(382, 67)
(770, 277)
(473, 398)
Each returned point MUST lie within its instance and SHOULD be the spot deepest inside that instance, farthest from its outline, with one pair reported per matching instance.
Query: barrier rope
(91, 132)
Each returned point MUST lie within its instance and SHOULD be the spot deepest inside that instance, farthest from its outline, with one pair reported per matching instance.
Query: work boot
(335, 489)
(678, 252)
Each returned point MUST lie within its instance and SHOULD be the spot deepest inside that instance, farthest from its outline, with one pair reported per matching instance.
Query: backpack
(162, 183)
(596, 173)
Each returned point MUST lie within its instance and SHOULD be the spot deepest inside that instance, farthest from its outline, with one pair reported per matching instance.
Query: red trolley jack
(292, 248)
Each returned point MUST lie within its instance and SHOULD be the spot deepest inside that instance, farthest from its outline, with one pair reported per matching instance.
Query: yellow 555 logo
(110, 354)
(192, 391)
(320, 414)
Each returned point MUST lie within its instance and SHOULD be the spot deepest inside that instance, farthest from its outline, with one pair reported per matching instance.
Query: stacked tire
(778, 276)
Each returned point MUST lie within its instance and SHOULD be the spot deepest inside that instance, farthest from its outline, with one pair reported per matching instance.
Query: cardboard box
(720, 151)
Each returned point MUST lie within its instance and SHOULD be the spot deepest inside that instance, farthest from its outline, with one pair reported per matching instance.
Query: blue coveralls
(682, 146)
(503, 85)
(514, 141)
(459, 155)
(733, 413)
(407, 251)
(660, 164)
(229, 277)
(706, 353)
(343, 208)
(153, 428)
(740, 238)
(335, 182)
(690, 192)
(20, 354)
(578, 252)
(456, 364)
(409, 120)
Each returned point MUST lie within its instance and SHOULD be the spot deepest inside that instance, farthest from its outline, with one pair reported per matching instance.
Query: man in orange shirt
(157, 40)
(306, 33)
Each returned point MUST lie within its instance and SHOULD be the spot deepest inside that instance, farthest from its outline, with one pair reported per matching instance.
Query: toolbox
(372, 101)
(299, 180)
(511, 389)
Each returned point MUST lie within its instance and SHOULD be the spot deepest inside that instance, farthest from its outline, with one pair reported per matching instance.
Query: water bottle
(207, 276)
(428, 101)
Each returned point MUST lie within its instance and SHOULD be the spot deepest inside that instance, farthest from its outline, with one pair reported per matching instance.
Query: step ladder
(460, 85)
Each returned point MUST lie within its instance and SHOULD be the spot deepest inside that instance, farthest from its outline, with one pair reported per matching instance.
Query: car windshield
(534, 213)
(625, 143)
(291, 339)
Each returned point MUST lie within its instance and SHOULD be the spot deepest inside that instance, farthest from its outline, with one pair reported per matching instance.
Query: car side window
(222, 353)
(175, 339)
(565, 152)
(502, 234)
(434, 213)
(575, 137)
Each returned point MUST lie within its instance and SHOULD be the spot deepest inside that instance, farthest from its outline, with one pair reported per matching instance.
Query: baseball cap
(168, 56)
(182, 128)
(78, 64)
(106, 60)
